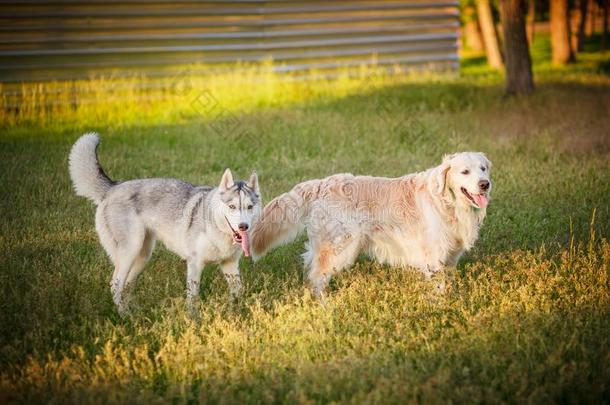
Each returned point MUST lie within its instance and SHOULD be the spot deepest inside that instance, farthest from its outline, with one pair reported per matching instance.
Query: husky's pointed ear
(226, 182)
(253, 182)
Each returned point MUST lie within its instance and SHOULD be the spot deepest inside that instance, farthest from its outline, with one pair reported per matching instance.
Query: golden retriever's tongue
(480, 199)
(245, 242)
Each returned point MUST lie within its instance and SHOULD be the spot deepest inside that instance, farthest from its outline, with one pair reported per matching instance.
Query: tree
(590, 23)
(531, 20)
(472, 31)
(605, 5)
(490, 39)
(519, 78)
(560, 32)
(578, 29)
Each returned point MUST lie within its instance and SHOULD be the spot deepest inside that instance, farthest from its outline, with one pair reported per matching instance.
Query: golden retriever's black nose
(484, 185)
(243, 226)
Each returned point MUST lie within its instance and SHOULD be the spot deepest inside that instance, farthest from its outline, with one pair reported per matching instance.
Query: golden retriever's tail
(283, 217)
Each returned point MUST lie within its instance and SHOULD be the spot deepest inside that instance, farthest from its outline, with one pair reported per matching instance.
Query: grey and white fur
(198, 223)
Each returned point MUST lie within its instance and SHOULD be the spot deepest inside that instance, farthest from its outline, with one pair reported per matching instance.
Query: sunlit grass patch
(189, 94)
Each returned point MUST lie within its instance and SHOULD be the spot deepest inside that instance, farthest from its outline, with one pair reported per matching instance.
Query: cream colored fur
(423, 220)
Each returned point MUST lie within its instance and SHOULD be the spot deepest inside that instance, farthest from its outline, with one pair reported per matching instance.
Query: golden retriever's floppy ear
(487, 161)
(443, 170)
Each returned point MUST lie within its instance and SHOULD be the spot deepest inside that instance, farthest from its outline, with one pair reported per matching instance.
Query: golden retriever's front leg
(440, 276)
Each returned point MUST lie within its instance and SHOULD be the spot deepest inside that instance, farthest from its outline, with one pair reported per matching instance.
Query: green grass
(526, 317)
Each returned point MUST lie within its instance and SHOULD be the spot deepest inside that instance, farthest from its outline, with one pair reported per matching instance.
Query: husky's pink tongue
(480, 199)
(245, 242)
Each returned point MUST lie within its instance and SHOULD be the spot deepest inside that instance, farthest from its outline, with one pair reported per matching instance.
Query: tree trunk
(579, 18)
(605, 6)
(560, 32)
(590, 24)
(472, 31)
(516, 50)
(531, 21)
(573, 17)
(584, 11)
(490, 38)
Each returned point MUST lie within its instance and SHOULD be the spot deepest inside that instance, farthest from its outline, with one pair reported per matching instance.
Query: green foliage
(525, 317)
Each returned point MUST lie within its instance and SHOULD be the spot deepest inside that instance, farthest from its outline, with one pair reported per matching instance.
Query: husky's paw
(192, 308)
(235, 285)
(123, 309)
(236, 292)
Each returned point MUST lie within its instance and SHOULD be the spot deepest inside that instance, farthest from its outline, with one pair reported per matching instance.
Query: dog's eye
(232, 206)
(250, 206)
(483, 168)
(466, 171)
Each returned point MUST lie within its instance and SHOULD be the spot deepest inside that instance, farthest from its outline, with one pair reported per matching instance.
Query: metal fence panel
(76, 39)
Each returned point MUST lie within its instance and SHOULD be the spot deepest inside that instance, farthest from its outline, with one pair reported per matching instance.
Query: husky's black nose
(243, 226)
(484, 185)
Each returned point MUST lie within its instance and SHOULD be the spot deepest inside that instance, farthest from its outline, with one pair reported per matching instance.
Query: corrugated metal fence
(72, 39)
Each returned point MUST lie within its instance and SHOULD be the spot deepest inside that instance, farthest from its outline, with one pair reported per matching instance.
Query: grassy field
(526, 317)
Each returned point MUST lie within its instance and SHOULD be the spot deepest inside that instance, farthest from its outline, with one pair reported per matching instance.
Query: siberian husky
(201, 224)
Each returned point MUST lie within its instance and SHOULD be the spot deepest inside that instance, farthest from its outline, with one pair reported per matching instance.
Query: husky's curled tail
(283, 218)
(87, 175)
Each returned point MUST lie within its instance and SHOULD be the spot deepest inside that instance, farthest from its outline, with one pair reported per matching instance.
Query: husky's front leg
(193, 278)
(230, 269)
